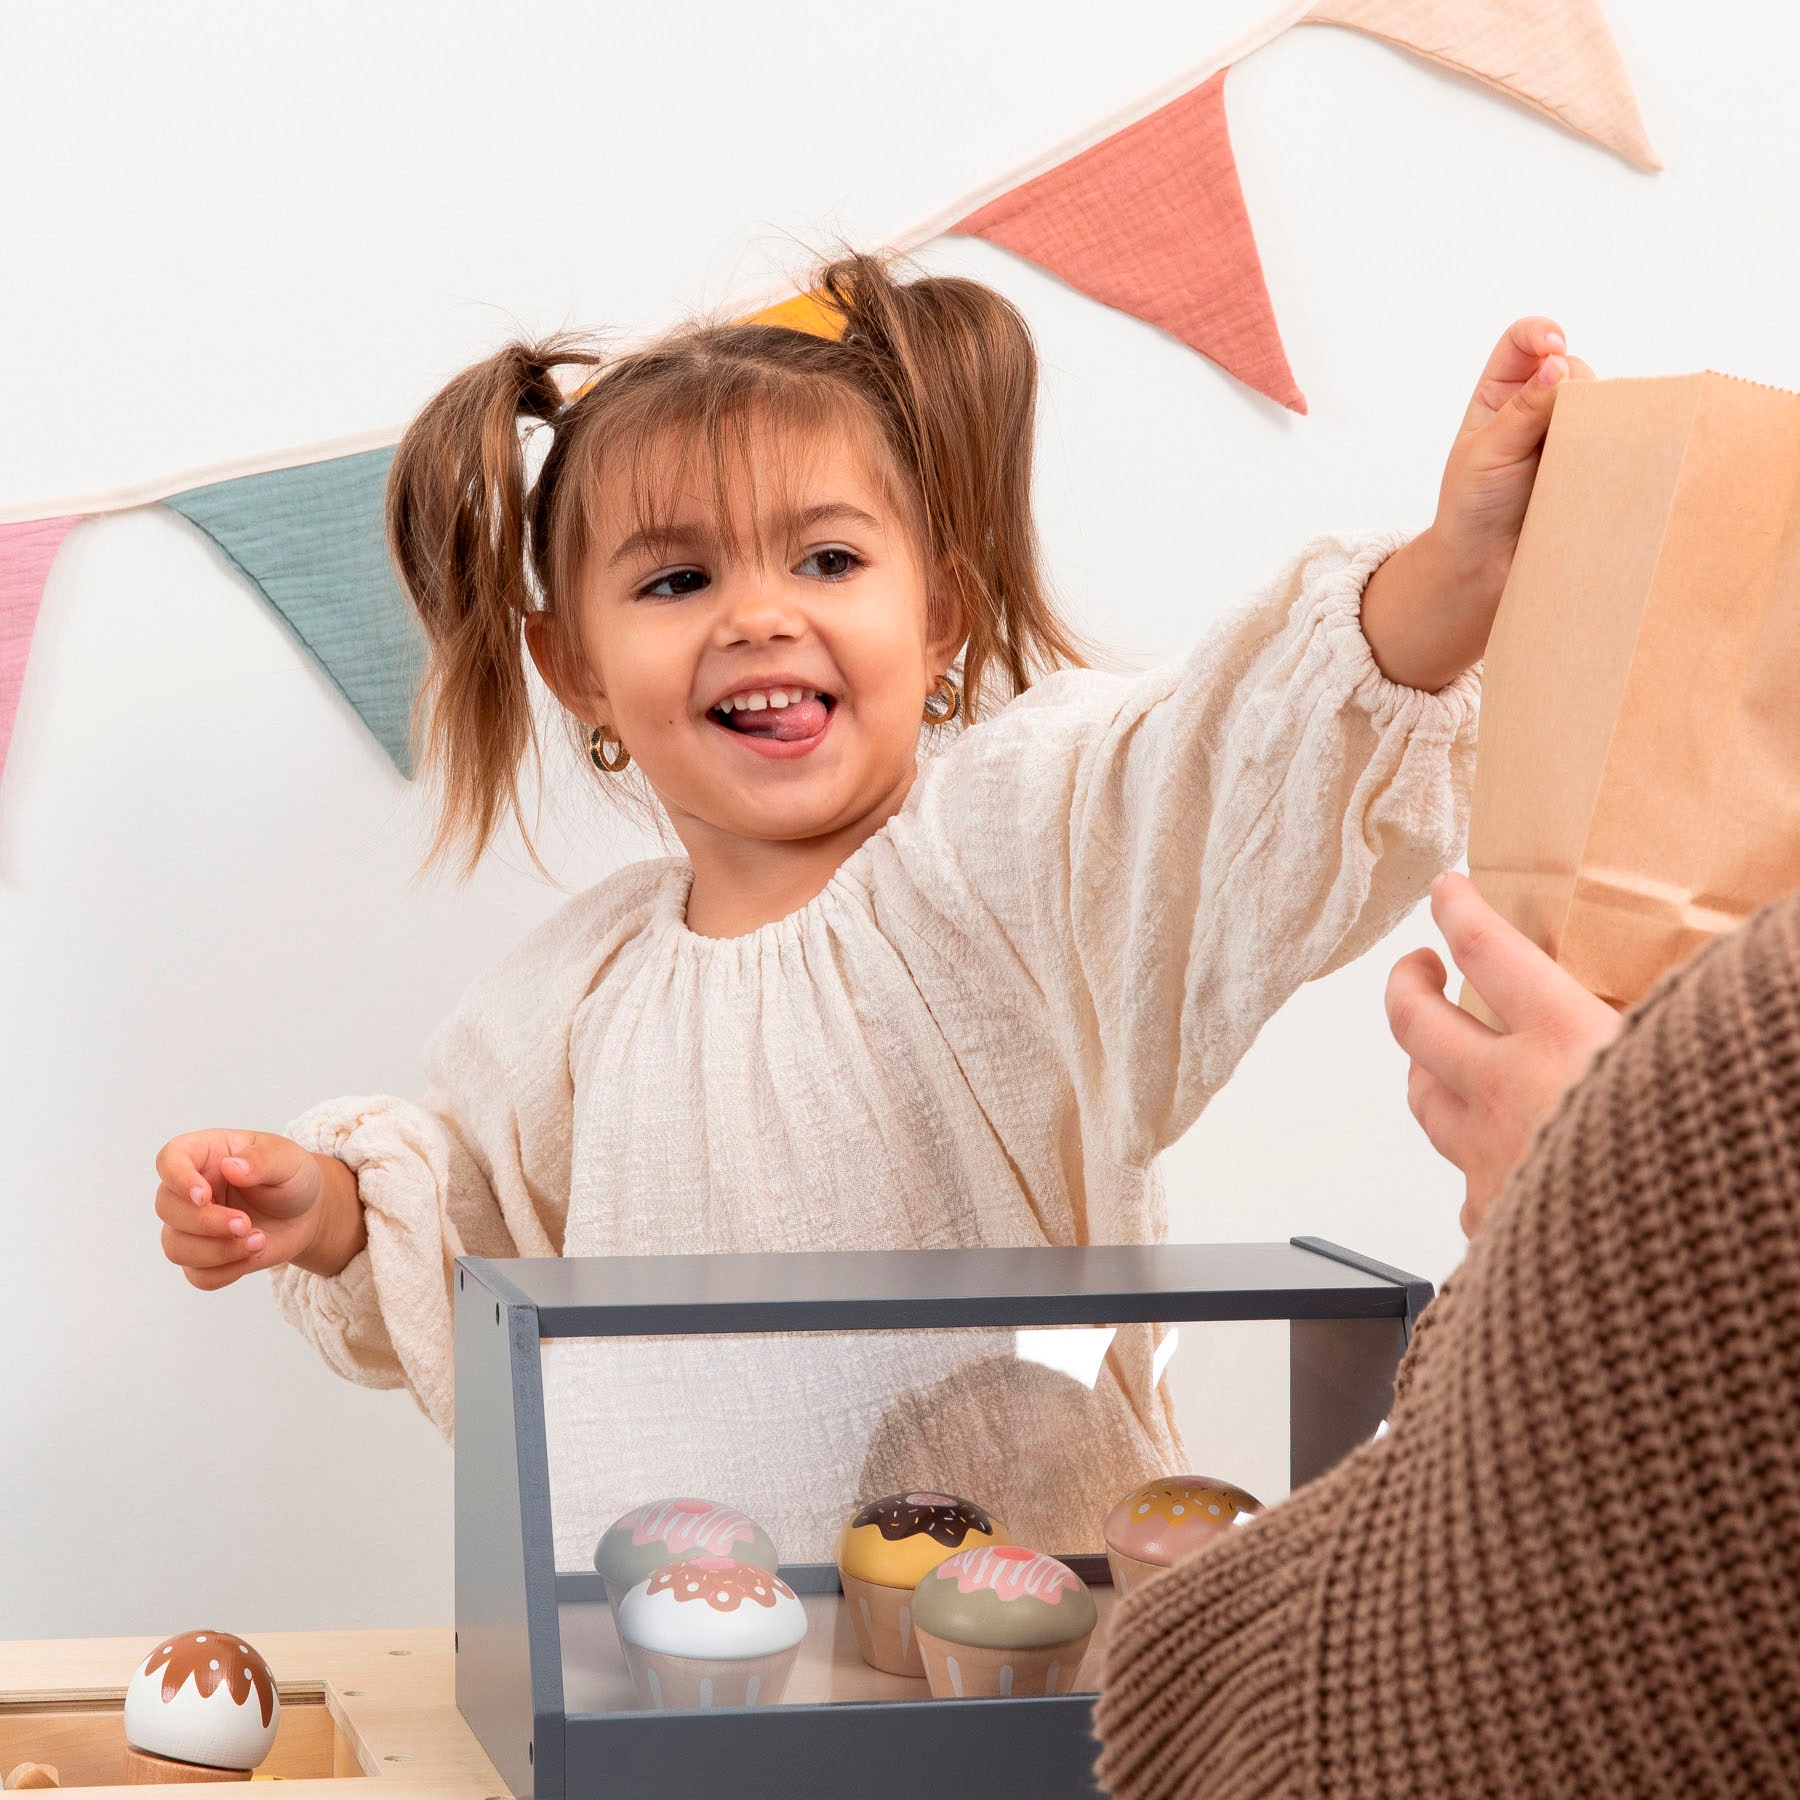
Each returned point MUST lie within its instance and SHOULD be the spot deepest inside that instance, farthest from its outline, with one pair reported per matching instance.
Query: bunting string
(1142, 212)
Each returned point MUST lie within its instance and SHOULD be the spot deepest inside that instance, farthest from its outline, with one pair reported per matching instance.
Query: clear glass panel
(1046, 1429)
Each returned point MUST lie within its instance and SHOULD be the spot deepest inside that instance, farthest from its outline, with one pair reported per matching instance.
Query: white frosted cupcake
(711, 1631)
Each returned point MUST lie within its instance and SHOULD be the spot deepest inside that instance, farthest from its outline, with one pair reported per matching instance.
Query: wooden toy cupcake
(884, 1553)
(201, 1707)
(1167, 1519)
(667, 1530)
(711, 1631)
(1002, 1620)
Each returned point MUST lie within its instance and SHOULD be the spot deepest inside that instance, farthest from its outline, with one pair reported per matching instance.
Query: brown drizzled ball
(203, 1697)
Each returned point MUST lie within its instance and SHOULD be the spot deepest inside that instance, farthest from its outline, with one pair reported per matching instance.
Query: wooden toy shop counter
(363, 1713)
(539, 1671)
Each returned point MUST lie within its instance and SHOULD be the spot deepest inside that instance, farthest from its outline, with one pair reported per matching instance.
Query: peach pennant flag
(26, 553)
(1151, 220)
(1557, 56)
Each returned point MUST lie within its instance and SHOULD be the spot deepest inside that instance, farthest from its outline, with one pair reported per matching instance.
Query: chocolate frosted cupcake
(1002, 1620)
(666, 1530)
(884, 1552)
(710, 1631)
(1165, 1520)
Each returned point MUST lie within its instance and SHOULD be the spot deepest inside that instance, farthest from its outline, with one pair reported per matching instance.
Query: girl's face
(767, 671)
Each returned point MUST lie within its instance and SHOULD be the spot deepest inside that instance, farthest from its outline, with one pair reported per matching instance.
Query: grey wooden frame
(1350, 1319)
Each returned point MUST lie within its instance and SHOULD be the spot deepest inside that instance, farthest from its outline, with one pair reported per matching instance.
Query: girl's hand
(1481, 1094)
(1428, 609)
(235, 1201)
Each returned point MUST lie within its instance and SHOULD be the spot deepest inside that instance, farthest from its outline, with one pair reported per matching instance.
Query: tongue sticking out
(787, 724)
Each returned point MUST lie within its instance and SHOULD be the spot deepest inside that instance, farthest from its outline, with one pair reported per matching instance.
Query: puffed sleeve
(479, 1166)
(1164, 860)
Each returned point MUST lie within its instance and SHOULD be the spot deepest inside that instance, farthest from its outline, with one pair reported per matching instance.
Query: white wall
(230, 229)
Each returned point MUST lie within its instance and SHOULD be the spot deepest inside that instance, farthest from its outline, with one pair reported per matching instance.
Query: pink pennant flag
(1151, 220)
(26, 552)
(1557, 56)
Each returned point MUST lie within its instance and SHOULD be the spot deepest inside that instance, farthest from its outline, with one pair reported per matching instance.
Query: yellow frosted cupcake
(886, 1550)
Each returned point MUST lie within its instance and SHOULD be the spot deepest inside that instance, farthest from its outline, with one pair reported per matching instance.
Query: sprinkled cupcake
(667, 1530)
(1002, 1620)
(883, 1554)
(1165, 1520)
(710, 1631)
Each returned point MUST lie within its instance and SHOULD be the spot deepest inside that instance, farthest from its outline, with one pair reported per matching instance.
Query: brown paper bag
(1638, 783)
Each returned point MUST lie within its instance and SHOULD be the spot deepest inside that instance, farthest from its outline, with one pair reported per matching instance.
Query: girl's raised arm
(1164, 861)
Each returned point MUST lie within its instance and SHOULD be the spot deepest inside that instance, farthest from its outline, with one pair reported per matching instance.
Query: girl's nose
(757, 611)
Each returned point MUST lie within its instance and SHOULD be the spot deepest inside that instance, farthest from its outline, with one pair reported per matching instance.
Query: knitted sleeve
(1166, 860)
(1572, 1565)
(478, 1166)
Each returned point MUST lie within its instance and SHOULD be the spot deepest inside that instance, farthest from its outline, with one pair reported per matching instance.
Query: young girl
(881, 1001)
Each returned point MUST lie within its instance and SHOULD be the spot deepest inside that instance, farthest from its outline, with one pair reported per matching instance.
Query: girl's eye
(832, 563)
(673, 585)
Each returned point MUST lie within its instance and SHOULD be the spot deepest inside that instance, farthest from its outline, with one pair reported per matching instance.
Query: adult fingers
(1522, 986)
(1442, 1114)
(1433, 1032)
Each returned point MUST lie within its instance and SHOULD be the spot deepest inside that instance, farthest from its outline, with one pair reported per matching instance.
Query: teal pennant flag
(311, 541)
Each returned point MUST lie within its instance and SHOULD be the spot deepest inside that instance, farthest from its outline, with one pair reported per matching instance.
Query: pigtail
(457, 518)
(957, 371)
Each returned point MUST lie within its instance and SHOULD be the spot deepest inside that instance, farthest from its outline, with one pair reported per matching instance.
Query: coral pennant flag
(26, 553)
(1557, 56)
(1151, 220)
(311, 541)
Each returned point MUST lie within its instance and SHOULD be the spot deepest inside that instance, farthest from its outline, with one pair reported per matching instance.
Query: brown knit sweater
(1572, 1566)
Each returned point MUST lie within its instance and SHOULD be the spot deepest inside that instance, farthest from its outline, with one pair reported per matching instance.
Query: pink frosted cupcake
(1002, 1620)
(664, 1531)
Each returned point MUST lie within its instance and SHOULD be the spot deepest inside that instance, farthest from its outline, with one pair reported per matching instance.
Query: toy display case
(540, 1676)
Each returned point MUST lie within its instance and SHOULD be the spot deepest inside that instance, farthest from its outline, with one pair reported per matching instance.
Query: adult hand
(1481, 1094)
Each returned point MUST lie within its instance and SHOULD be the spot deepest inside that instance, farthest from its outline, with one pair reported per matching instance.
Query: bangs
(726, 452)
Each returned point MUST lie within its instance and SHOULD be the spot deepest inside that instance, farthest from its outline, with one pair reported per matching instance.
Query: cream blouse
(1002, 1006)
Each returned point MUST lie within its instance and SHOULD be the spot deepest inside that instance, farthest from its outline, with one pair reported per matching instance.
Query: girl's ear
(574, 687)
(947, 626)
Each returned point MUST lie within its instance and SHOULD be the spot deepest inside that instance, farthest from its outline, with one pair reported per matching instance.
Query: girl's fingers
(1515, 359)
(274, 1169)
(189, 1250)
(210, 1221)
(1517, 429)
(1433, 1032)
(1521, 985)
(176, 1164)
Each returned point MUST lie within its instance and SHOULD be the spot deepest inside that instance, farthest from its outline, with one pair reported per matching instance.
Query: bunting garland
(26, 552)
(1151, 221)
(1555, 56)
(1143, 213)
(311, 542)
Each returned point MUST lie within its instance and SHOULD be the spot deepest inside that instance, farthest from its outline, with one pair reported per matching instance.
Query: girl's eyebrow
(661, 539)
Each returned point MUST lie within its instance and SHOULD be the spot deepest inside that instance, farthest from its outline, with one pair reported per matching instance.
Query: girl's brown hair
(939, 373)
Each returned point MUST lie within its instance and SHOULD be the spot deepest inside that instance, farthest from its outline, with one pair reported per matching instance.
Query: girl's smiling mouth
(782, 719)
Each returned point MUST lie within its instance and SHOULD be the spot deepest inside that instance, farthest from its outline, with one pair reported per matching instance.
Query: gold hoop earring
(944, 701)
(597, 754)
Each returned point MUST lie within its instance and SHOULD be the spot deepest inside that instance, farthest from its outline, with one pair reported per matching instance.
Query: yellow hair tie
(811, 312)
